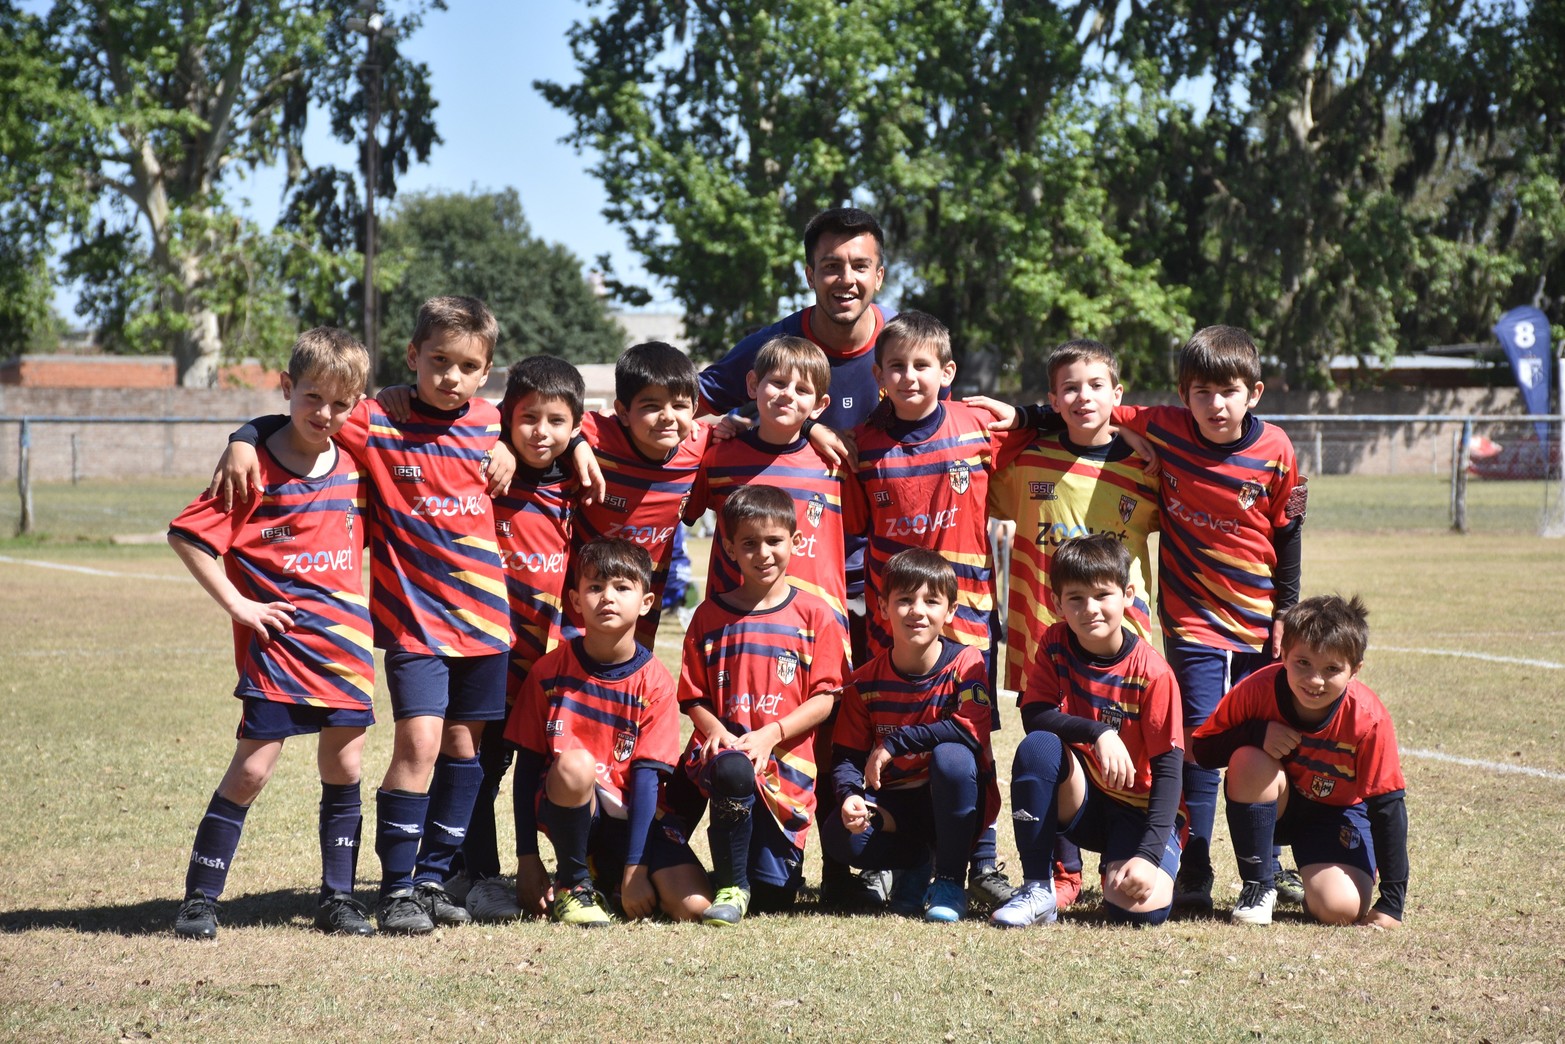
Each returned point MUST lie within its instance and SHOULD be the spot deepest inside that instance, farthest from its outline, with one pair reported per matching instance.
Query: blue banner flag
(1524, 333)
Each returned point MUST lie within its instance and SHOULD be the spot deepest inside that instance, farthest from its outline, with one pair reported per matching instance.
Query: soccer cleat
(493, 899)
(197, 917)
(1193, 888)
(851, 893)
(945, 901)
(458, 885)
(988, 887)
(341, 914)
(1256, 899)
(1033, 903)
(907, 891)
(582, 905)
(1290, 887)
(437, 902)
(1067, 886)
(731, 905)
(399, 913)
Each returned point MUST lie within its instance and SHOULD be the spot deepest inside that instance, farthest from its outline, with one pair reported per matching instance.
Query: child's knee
(1039, 754)
(953, 761)
(573, 773)
(732, 775)
(1253, 773)
(1138, 918)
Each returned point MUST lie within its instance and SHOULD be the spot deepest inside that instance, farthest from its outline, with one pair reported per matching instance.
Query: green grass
(115, 725)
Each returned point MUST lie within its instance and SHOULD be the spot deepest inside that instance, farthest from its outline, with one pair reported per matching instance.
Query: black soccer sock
(732, 780)
(341, 820)
(1035, 817)
(217, 838)
(1251, 826)
(480, 854)
(569, 829)
(399, 826)
(953, 791)
(452, 792)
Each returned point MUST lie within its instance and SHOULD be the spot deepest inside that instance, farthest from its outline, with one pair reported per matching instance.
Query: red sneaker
(1067, 885)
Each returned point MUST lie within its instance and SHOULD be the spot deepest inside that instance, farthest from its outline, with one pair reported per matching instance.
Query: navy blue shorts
(1104, 825)
(273, 720)
(773, 858)
(1320, 833)
(1206, 674)
(456, 688)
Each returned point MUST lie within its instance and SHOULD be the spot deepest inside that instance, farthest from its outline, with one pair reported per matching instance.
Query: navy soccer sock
(1251, 825)
(217, 838)
(480, 854)
(953, 792)
(399, 826)
(569, 829)
(1201, 800)
(1035, 817)
(451, 796)
(341, 821)
(1068, 854)
(732, 782)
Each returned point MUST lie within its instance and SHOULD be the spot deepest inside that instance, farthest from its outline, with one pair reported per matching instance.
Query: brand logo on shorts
(277, 534)
(1322, 786)
(624, 745)
(1248, 492)
(787, 665)
(1127, 507)
(1021, 815)
(407, 473)
(815, 509)
(1041, 491)
(961, 476)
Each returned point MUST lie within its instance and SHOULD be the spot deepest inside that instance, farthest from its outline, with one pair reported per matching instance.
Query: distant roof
(1404, 362)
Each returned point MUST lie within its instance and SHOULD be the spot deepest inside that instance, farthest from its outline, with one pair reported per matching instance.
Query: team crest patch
(787, 666)
(1348, 838)
(624, 744)
(1127, 507)
(348, 517)
(1113, 717)
(1322, 786)
(815, 509)
(1249, 492)
(961, 476)
(1041, 490)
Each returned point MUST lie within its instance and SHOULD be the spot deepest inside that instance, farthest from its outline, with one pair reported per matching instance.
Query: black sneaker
(341, 914)
(197, 917)
(850, 893)
(401, 914)
(988, 888)
(1290, 887)
(437, 902)
(1193, 888)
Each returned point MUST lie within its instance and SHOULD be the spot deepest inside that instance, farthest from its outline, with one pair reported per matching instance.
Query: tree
(479, 244)
(169, 100)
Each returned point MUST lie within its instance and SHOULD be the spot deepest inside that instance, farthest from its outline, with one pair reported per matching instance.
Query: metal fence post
(1459, 479)
(24, 479)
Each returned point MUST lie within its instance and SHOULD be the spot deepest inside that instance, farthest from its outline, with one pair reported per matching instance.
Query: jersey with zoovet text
(1347, 758)
(533, 528)
(1222, 507)
(645, 500)
(755, 668)
(930, 490)
(1136, 694)
(881, 699)
(622, 714)
(300, 541)
(1056, 490)
(826, 503)
(437, 586)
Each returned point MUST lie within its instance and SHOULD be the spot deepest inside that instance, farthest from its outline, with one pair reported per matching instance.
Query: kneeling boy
(1102, 760)
(1312, 762)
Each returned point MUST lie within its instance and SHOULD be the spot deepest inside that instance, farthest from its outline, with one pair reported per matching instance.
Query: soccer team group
(840, 676)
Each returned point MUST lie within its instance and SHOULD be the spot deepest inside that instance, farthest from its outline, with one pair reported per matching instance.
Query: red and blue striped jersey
(754, 668)
(438, 589)
(1137, 694)
(1221, 509)
(1056, 490)
(1347, 758)
(929, 489)
(826, 504)
(300, 541)
(645, 500)
(533, 529)
(622, 714)
(881, 699)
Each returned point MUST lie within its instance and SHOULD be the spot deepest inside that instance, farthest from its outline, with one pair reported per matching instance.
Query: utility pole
(373, 26)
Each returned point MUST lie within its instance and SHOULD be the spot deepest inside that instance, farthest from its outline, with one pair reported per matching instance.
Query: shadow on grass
(156, 917)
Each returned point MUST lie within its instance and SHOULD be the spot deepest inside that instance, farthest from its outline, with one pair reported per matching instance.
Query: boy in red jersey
(912, 765)
(541, 413)
(1312, 762)
(1102, 759)
(292, 580)
(597, 726)
(439, 600)
(762, 667)
(923, 466)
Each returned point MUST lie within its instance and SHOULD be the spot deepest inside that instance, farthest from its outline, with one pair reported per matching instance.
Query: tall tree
(480, 244)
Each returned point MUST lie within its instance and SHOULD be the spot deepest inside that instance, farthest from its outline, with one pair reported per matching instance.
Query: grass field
(115, 725)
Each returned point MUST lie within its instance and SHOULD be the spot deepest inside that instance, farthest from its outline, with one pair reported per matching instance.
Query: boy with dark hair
(1102, 757)
(763, 664)
(912, 768)
(292, 580)
(438, 602)
(1312, 762)
(597, 727)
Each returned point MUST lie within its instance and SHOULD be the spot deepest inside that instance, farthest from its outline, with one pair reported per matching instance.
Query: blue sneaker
(907, 891)
(946, 901)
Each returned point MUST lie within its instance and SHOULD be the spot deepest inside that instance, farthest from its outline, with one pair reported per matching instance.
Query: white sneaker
(1256, 899)
(1032, 903)
(493, 899)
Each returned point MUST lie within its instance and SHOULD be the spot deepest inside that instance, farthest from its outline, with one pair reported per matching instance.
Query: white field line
(1493, 766)
(88, 570)
(1548, 665)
